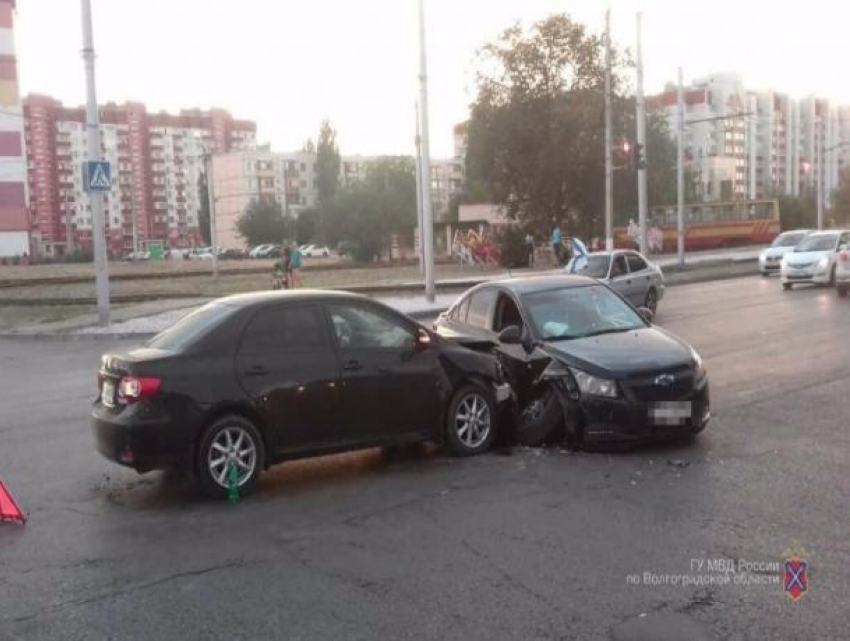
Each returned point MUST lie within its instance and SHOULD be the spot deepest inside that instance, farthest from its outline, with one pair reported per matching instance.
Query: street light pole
(427, 211)
(213, 228)
(101, 272)
(609, 142)
(641, 142)
(418, 165)
(680, 173)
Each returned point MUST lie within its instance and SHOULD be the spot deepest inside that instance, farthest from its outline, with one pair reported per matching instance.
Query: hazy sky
(289, 63)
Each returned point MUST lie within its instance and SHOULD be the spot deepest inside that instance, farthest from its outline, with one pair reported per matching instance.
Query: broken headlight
(594, 385)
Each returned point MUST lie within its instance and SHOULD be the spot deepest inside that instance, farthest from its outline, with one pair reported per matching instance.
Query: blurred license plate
(107, 393)
(670, 413)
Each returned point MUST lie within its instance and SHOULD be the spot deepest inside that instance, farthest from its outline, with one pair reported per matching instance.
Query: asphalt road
(534, 544)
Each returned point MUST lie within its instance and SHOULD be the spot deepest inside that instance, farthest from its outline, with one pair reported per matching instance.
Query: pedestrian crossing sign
(98, 176)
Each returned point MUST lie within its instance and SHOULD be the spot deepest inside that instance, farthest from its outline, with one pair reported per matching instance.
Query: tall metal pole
(101, 273)
(419, 244)
(427, 211)
(641, 141)
(609, 142)
(819, 175)
(213, 228)
(680, 173)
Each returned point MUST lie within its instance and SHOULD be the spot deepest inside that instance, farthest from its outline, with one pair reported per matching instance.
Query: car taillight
(132, 389)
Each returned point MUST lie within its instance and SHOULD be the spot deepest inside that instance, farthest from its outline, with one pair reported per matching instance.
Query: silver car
(638, 280)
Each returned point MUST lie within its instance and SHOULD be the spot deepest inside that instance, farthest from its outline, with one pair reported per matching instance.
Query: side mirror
(423, 340)
(647, 313)
(511, 335)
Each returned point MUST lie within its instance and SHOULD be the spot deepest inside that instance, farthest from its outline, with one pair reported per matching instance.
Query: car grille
(800, 265)
(652, 387)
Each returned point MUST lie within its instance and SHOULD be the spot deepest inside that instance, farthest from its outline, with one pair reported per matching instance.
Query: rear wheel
(832, 276)
(651, 301)
(842, 291)
(471, 421)
(230, 457)
(786, 286)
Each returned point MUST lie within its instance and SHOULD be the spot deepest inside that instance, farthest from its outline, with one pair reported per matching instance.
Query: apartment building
(157, 160)
(14, 226)
(742, 143)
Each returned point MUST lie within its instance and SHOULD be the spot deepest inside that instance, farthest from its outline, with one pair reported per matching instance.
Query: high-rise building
(14, 226)
(755, 144)
(157, 160)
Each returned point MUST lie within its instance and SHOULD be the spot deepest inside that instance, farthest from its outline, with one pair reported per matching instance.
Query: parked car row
(255, 379)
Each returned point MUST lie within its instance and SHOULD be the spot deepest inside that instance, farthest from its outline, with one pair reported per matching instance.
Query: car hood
(623, 354)
(803, 258)
(777, 251)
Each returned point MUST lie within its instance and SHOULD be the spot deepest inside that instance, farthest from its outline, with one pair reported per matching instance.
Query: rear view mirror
(511, 335)
(647, 313)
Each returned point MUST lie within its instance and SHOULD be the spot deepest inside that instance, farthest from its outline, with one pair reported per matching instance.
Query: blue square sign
(98, 176)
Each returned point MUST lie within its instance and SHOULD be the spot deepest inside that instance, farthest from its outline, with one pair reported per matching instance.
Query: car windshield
(597, 266)
(579, 312)
(788, 240)
(818, 242)
(191, 327)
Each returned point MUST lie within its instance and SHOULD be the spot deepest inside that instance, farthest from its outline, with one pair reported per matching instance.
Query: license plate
(670, 412)
(107, 393)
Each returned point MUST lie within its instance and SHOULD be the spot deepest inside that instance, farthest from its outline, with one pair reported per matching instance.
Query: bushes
(511, 241)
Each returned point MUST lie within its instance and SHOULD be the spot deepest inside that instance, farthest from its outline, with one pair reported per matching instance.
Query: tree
(841, 199)
(264, 223)
(204, 211)
(327, 165)
(307, 226)
(797, 212)
(536, 137)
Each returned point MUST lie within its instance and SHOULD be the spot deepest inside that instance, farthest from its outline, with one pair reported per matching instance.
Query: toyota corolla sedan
(771, 258)
(581, 354)
(814, 259)
(256, 379)
(628, 272)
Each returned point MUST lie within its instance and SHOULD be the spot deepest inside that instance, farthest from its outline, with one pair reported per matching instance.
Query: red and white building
(157, 161)
(14, 226)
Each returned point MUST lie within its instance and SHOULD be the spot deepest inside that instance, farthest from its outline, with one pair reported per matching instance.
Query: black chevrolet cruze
(251, 380)
(582, 359)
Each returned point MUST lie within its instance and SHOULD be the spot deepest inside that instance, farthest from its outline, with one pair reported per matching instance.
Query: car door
(619, 278)
(389, 379)
(641, 276)
(521, 366)
(287, 363)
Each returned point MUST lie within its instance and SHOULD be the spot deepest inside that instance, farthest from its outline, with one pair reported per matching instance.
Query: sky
(288, 64)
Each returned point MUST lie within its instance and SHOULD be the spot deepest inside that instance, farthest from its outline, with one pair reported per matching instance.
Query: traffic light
(638, 159)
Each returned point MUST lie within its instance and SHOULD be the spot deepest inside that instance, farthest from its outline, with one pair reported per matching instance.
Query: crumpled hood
(625, 353)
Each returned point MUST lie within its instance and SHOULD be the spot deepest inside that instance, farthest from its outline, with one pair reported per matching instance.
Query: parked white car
(770, 259)
(814, 259)
(842, 272)
(316, 251)
(259, 249)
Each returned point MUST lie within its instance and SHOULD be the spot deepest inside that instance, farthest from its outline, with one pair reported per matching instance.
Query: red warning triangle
(9, 510)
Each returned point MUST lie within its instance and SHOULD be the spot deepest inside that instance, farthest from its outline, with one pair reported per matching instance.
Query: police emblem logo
(796, 576)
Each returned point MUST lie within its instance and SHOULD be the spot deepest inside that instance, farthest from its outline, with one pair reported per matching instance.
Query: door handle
(352, 366)
(257, 370)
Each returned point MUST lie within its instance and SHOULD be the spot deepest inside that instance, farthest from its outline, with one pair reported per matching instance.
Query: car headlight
(823, 262)
(594, 385)
(699, 369)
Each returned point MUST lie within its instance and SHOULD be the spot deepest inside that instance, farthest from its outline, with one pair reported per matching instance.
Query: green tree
(797, 212)
(204, 212)
(307, 226)
(536, 137)
(327, 165)
(263, 222)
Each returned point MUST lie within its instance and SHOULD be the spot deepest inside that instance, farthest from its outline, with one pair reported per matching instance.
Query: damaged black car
(585, 365)
(256, 379)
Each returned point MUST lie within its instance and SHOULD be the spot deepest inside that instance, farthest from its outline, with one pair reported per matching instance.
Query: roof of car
(260, 297)
(531, 284)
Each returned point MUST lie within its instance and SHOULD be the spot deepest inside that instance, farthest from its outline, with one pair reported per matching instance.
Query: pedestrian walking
(557, 243)
(529, 249)
(295, 267)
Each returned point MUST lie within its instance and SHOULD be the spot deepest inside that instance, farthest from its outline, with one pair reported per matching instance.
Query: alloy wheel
(472, 421)
(232, 448)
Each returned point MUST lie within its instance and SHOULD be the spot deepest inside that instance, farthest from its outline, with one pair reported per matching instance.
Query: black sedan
(583, 360)
(255, 379)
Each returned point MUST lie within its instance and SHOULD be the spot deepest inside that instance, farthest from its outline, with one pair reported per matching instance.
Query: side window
(636, 263)
(507, 314)
(845, 239)
(480, 308)
(284, 327)
(458, 313)
(358, 327)
(619, 267)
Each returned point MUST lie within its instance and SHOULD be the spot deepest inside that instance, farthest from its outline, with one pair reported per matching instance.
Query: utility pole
(419, 244)
(641, 142)
(680, 173)
(133, 215)
(819, 176)
(609, 142)
(101, 272)
(213, 230)
(427, 211)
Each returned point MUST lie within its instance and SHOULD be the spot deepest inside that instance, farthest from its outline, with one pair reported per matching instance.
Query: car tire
(764, 274)
(786, 286)
(651, 300)
(229, 442)
(470, 421)
(842, 291)
(832, 277)
(540, 420)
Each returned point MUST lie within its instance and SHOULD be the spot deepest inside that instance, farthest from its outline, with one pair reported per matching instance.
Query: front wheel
(230, 457)
(786, 286)
(471, 421)
(651, 301)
